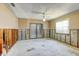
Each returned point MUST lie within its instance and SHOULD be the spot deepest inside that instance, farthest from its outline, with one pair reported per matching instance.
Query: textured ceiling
(54, 10)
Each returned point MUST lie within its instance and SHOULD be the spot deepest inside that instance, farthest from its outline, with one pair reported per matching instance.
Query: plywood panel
(11, 36)
(78, 38)
(12, 33)
(1, 38)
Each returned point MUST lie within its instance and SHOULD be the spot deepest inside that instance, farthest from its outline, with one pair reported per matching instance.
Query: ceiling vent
(12, 4)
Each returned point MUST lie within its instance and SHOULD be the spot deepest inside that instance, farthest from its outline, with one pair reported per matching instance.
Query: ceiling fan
(43, 13)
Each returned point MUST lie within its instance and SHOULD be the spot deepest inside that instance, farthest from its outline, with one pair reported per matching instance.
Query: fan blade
(37, 12)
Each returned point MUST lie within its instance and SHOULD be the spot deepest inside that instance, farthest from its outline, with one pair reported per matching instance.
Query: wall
(73, 20)
(25, 23)
(71, 38)
(7, 19)
(52, 24)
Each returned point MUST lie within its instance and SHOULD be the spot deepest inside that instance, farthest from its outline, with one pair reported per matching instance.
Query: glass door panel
(39, 30)
(33, 31)
(36, 30)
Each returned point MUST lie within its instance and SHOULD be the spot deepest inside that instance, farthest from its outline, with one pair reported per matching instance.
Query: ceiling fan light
(44, 20)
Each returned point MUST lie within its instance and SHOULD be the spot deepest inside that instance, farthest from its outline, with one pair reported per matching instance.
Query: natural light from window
(62, 26)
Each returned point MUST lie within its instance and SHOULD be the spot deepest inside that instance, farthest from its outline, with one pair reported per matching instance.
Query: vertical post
(70, 36)
(49, 33)
(25, 34)
(21, 34)
(52, 33)
(65, 38)
(78, 38)
(43, 33)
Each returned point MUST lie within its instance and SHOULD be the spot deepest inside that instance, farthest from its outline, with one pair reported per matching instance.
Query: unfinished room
(39, 29)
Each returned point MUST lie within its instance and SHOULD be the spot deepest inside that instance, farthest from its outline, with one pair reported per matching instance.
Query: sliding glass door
(33, 31)
(36, 30)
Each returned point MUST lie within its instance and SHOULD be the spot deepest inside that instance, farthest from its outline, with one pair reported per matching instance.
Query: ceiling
(54, 10)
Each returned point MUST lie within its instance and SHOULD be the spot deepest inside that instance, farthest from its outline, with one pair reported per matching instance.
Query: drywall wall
(25, 23)
(52, 24)
(72, 37)
(73, 20)
(7, 18)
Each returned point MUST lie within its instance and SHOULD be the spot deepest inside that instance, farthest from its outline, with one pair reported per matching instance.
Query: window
(62, 26)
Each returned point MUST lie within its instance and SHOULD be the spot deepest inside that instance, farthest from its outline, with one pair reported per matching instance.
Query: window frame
(62, 29)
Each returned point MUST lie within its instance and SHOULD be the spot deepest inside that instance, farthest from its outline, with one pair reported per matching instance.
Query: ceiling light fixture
(44, 19)
(42, 13)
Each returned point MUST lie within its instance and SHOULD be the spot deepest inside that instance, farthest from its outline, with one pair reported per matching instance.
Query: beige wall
(52, 24)
(73, 20)
(25, 23)
(72, 37)
(7, 19)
